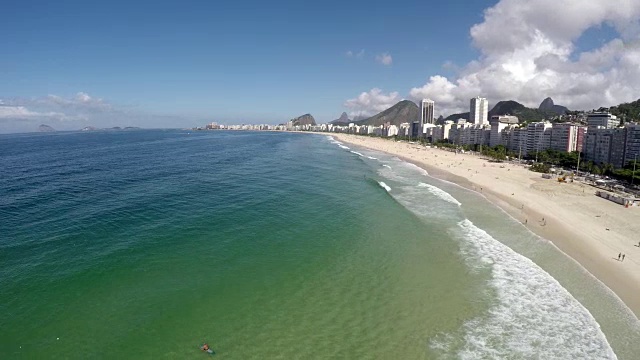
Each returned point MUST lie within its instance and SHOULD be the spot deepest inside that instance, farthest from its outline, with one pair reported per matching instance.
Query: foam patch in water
(440, 193)
(344, 147)
(534, 317)
(385, 186)
(355, 152)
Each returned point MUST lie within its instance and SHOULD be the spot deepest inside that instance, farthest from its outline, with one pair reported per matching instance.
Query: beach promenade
(589, 229)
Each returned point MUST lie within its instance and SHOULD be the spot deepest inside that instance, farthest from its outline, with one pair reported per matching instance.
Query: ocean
(266, 245)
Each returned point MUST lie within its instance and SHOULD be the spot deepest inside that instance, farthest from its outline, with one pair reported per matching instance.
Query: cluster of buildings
(598, 135)
(602, 140)
(259, 127)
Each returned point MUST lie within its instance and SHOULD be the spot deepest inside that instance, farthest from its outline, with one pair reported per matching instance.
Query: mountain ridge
(405, 111)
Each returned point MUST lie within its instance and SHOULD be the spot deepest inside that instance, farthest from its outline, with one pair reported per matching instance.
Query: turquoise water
(146, 244)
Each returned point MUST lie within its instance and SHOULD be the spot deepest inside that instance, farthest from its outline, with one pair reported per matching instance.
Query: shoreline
(591, 231)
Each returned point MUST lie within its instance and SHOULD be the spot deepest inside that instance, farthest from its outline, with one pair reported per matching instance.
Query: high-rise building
(478, 111)
(602, 120)
(426, 111)
(564, 137)
(632, 144)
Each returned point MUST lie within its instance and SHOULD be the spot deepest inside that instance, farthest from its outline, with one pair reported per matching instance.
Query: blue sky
(234, 61)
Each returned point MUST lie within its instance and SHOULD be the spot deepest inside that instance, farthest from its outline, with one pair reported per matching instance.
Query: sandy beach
(589, 229)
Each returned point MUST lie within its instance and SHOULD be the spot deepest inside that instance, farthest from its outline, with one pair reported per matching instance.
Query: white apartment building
(498, 124)
(518, 140)
(426, 111)
(479, 111)
(441, 133)
(538, 136)
(603, 120)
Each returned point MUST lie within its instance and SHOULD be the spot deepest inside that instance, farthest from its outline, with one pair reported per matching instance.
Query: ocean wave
(417, 168)
(385, 186)
(387, 166)
(344, 147)
(534, 316)
(440, 193)
(372, 158)
(355, 152)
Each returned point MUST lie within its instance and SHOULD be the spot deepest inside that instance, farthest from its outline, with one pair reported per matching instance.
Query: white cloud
(22, 113)
(358, 55)
(528, 52)
(371, 102)
(384, 59)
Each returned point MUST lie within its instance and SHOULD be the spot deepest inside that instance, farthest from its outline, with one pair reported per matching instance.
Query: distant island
(45, 128)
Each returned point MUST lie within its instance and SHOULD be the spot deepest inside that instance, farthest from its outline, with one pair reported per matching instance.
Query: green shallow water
(146, 244)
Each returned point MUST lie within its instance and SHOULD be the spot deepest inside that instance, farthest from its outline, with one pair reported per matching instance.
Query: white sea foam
(385, 186)
(416, 200)
(440, 193)
(344, 147)
(372, 158)
(387, 166)
(357, 153)
(534, 316)
(417, 168)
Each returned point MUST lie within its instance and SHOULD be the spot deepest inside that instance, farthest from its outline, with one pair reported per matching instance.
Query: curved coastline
(580, 242)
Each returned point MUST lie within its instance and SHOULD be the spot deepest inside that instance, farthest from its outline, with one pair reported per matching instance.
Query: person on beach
(623, 257)
(619, 255)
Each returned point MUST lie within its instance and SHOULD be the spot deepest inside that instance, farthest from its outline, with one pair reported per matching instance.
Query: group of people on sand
(621, 256)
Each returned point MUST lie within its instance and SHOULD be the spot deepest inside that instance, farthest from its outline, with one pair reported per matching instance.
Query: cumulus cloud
(384, 59)
(528, 52)
(371, 102)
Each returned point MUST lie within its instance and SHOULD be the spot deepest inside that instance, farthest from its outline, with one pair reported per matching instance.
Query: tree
(596, 170)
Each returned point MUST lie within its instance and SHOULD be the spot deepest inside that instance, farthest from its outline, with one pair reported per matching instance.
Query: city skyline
(72, 65)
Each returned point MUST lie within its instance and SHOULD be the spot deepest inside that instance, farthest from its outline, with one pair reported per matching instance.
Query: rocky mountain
(45, 128)
(403, 112)
(305, 119)
(509, 107)
(454, 117)
(547, 106)
(344, 118)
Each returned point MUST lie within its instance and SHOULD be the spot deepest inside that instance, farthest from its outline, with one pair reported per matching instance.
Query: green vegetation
(627, 111)
(540, 167)
(627, 173)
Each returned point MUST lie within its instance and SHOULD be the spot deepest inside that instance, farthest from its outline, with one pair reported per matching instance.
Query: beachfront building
(427, 131)
(605, 146)
(391, 130)
(456, 130)
(426, 111)
(564, 136)
(538, 136)
(518, 140)
(441, 133)
(478, 111)
(632, 143)
(602, 120)
(498, 124)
